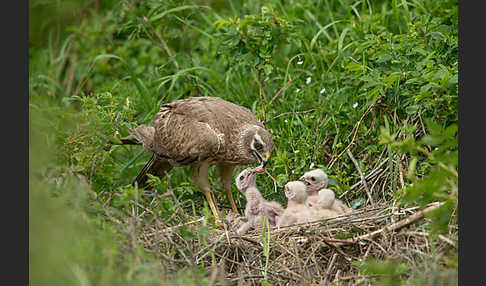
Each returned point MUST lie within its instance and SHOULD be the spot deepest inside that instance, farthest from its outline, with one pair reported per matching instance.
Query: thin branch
(329, 268)
(354, 136)
(402, 223)
(246, 277)
(171, 192)
(275, 181)
(260, 93)
(373, 173)
(363, 179)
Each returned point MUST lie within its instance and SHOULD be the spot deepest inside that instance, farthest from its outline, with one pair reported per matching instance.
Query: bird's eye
(241, 178)
(258, 146)
(313, 179)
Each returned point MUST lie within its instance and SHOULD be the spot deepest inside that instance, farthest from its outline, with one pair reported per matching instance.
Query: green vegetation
(379, 78)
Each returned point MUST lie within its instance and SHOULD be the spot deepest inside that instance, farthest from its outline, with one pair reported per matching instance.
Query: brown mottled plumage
(204, 131)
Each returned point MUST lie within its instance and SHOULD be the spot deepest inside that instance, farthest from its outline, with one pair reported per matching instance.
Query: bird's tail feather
(153, 166)
(141, 178)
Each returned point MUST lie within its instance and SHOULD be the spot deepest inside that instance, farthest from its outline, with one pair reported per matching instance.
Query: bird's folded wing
(185, 140)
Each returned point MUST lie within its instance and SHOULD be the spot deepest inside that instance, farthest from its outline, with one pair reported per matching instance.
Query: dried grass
(315, 253)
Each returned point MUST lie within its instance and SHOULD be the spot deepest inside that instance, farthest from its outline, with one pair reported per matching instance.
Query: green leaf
(176, 9)
(384, 58)
(357, 203)
(354, 67)
(412, 109)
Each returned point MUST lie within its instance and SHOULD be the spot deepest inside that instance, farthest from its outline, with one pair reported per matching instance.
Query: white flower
(308, 80)
(286, 121)
(297, 90)
(355, 105)
(300, 62)
(311, 166)
(296, 151)
(322, 91)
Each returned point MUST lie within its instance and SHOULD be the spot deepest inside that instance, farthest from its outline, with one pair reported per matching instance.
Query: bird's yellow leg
(212, 205)
(200, 179)
(226, 172)
(232, 202)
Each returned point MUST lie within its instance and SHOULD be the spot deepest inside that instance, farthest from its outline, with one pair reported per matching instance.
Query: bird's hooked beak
(263, 162)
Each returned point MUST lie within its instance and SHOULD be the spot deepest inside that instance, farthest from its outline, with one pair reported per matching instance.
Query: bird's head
(315, 180)
(295, 191)
(259, 144)
(245, 179)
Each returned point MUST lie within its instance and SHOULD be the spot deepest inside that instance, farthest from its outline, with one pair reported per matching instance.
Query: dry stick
(133, 237)
(400, 172)
(66, 54)
(246, 277)
(207, 248)
(168, 229)
(260, 93)
(162, 44)
(70, 78)
(354, 136)
(369, 176)
(377, 179)
(402, 223)
(179, 249)
(275, 181)
(329, 242)
(171, 192)
(83, 79)
(336, 277)
(329, 269)
(424, 233)
(93, 164)
(363, 179)
(256, 268)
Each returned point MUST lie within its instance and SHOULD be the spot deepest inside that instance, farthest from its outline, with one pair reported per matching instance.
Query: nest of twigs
(316, 253)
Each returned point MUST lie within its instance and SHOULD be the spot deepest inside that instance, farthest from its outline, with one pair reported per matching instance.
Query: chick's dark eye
(313, 179)
(258, 146)
(241, 178)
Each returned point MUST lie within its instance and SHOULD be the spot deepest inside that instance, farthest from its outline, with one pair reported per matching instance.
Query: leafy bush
(377, 77)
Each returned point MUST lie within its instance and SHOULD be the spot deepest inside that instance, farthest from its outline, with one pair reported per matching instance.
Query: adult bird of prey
(204, 131)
